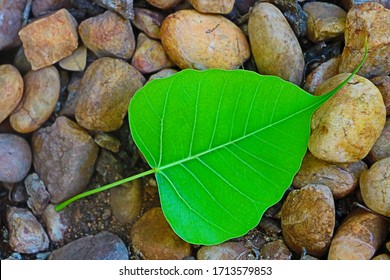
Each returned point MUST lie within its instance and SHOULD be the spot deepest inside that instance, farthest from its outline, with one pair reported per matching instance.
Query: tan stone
(11, 90)
(148, 21)
(164, 4)
(346, 127)
(213, 6)
(383, 84)
(223, 251)
(49, 39)
(320, 74)
(76, 61)
(219, 42)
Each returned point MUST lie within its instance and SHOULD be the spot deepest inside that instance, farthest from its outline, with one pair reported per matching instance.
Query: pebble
(164, 4)
(11, 19)
(346, 127)
(383, 84)
(102, 246)
(126, 201)
(371, 19)
(150, 55)
(106, 89)
(375, 187)
(122, 7)
(64, 158)
(342, 179)
(49, 39)
(18, 193)
(225, 251)
(382, 257)
(164, 73)
(16, 157)
(41, 93)
(153, 238)
(275, 250)
(213, 6)
(11, 84)
(38, 197)
(108, 167)
(26, 234)
(358, 237)
(108, 34)
(325, 21)
(76, 61)
(73, 88)
(381, 148)
(219, 42)
(308, 219)
(41, 7)
(107, 142)
(148, 22)
(321, 73)
(57, 223)
(282, 55)
(348, 4)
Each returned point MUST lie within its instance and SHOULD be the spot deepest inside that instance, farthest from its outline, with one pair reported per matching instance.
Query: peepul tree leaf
(225, 146)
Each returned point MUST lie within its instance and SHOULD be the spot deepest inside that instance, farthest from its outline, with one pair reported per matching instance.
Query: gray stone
(38, 196)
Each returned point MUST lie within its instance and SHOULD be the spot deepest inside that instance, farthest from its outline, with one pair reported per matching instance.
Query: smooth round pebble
(16, 157)
(106, 89)
(153, 238)
(375, 187)
(382, 257)
(164, 4)
(275, 250)
(308, 219)
(381, 148)
(320, 74)
(76, 61)
(11, 16)
(164, 73)
(224, 251)
(11, 90)
(346, 127)
(148, 21)
(219, 42)
(41, 93)
(213, 6)
(275, 48)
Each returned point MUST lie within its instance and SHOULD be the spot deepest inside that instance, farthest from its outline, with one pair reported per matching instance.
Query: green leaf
(225, 146)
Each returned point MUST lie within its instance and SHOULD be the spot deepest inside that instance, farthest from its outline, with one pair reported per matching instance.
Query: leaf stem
(62, 205)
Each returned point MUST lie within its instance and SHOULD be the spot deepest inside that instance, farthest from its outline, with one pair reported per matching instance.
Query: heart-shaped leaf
(225, 146)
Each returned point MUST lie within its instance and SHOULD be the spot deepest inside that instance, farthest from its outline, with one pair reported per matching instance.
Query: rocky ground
(69, 68)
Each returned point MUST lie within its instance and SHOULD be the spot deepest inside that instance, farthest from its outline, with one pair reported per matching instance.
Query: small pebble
(383, 84)
(150, 55)
(358, 237)
(64, 158)
(11, 19)
(108, 167)
(213, 6)
(21, 62)
(106, 89)
(16, 157)
(275, 250)
(73, 88)
(371, 20)
(38, 197)
(164, 4)
(348, 4)
(282, 55)
(18, 193)
(76, 61)
(11, 84)
(320, 74)
(41, 93)
(57, 223)
(346, 127)
(102, 246)
(108, 34)
(122, 7)
(225, 251)
(26, 234)
(107, 141)
(219, 42)
(382, 257)
(164, 73)
(381, 148)
(41, 7)
(149, 22)
(308, 219)
(49, 39)
(375, 187)
(153, 238)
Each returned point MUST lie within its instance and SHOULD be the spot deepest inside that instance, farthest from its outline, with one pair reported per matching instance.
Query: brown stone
(381, 148)
(224, 251)
(11, 90)
(49, 39)
(76, 61)
(153, 238)
(213, 6)
(275, 250)
(383, 84)
(164, 73)
(148, 21)
(164, 4)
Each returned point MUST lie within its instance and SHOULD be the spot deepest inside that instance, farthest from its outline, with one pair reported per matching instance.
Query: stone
(21, 62)
(102, 246)
(108, 34)
(148, 22)
(57, 223)
(369, 20)
(282, 55)
(308, 219)
(106, 89)
(18, 193)
(41, 93)
(41, 7)
(358, 237)
(275, 250)
(122, 7)
(153, 238)
(321, 73)
(64, 158)
(213, 6)
(126, 201)
(107, 141)
(11, 85)
(11, 19)
(383, 84)
(76, 61)
(346, 127)
(348, 4)
(375, 187)
(73, 88)
(164, 4)
(49, 39)
(150, 55)
(26, 234)
(382, 257)
(381, 148)
(16, 157)
(224, 251)
(38, 197)
(108, 167)
(325, 21)
(342, 179)
(219, 42)
(164, 73)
